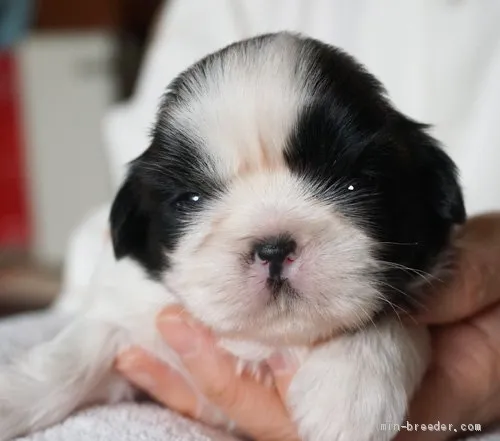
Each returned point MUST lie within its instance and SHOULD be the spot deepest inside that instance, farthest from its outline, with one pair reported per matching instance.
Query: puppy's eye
(187, 200)
(351, 187)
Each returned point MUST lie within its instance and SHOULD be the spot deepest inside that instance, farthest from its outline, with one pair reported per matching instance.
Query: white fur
(237, 122)
(241, 116)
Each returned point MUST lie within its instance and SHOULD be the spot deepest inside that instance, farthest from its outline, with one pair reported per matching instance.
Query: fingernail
(282, 364)
(131, 365)
(181, 336)
(129, 360)
(142, 380)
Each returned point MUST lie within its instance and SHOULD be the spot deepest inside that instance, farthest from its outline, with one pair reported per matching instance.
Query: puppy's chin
(283, 317)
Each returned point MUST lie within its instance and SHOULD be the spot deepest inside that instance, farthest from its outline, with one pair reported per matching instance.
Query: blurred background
(80, 81)
(63, 64)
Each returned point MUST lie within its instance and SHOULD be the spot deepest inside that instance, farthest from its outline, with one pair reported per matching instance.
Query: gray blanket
(124, 422)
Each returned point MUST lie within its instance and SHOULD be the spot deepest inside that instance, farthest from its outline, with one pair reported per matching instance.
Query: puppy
(283, 200)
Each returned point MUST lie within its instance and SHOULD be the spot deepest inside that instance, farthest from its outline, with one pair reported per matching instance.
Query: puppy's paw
(340, 409)
(356, 386)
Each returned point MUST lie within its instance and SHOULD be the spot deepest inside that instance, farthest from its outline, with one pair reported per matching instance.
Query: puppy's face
(283, 198)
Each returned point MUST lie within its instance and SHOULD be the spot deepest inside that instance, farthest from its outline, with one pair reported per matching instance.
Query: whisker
(413, 299)
(428, 277)
(371, 320)
(393, 307)
(399, 243)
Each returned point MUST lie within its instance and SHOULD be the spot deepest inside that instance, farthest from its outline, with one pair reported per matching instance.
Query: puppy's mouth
(281, 288)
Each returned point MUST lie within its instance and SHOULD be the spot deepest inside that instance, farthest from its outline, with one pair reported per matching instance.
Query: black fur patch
(146, 218)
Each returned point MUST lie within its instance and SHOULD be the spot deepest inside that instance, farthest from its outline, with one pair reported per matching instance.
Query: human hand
(256, 409)
(462, 385)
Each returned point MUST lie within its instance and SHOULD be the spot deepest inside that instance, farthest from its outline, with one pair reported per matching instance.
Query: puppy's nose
(275, 252)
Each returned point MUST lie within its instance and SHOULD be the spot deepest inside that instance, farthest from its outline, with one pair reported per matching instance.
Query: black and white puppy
(283, 200)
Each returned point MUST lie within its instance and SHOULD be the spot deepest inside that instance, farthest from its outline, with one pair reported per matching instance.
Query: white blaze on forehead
(244, 105)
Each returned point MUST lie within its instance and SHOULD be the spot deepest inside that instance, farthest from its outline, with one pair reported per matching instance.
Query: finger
(158, 380)
(214, 373)
(473, 282)
(487, 328)
(434, 403)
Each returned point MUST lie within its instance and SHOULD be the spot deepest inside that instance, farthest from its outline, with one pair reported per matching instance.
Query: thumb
(473, 281)
(458, 385)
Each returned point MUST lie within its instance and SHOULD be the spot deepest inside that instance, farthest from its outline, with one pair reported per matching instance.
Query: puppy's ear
(130, 221)
(437, 174)
(448, 198)
(134, 225)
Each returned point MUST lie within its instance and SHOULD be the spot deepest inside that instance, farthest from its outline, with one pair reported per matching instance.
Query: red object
(14, 218)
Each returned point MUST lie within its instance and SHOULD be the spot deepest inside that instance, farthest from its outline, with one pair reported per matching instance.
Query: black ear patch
(438, 175)
(442, 176)
(129, 224)
(134, 227)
